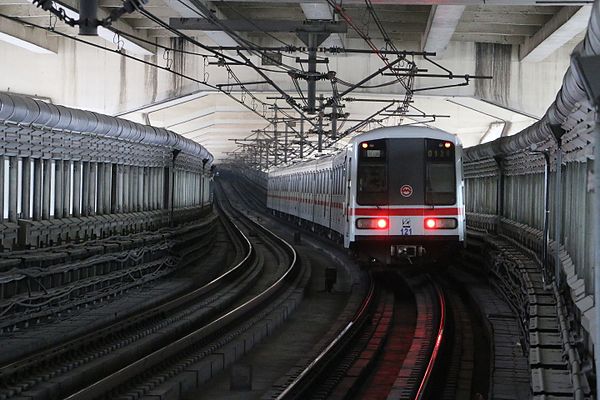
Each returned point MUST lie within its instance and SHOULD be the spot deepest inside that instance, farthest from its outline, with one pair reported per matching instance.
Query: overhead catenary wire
(140, 60)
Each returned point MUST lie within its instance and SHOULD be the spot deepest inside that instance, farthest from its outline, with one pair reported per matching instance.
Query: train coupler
(404, 251)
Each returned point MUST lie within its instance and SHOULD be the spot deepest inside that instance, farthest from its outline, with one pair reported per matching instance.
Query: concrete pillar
(37, 189)
(26, 189)
(77, 188)
(47, 176)
(13, 175)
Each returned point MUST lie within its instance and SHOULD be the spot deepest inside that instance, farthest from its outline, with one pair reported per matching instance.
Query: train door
(406, 185)
(347, 177)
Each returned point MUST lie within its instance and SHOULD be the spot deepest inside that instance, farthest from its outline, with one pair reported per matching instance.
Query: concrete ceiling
(535, 31)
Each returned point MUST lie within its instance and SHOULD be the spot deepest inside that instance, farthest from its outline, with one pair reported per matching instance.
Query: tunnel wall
(72, 175)
(504, 183)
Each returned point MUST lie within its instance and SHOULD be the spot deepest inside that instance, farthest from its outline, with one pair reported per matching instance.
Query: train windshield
(372, 173)
(440, 184)
(411, 171)
(440, 173)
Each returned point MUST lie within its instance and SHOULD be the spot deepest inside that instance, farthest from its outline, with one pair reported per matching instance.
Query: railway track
(162, 370)
(418, 346)
(101, 363)
(57, 371)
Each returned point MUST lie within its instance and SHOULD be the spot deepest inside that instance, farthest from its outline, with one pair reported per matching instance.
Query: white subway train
(393, 194)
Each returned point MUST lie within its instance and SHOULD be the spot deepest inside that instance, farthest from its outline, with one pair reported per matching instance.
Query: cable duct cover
(570, 93)
(24, 110)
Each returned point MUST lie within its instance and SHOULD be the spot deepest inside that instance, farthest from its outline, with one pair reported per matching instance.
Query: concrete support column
(26, 189)
(77, 188)
(13, 175)
(66, 188)
(47, 176)
(37, 189)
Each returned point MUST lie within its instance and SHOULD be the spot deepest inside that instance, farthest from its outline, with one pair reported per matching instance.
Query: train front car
(406, 200)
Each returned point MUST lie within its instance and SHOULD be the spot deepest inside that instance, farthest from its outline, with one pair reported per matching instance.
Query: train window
(440, 183)
(372, 185)
(440, 173)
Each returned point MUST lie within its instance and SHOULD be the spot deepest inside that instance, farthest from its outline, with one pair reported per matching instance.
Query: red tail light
(441, 223)
(372, 223)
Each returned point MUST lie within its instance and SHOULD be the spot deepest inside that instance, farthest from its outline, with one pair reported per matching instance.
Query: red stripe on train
(405, 212)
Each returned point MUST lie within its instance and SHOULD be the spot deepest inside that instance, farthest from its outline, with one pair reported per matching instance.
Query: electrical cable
(140, 60)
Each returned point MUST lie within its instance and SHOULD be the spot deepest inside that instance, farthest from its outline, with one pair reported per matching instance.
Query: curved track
(102, 363)
(156, 368)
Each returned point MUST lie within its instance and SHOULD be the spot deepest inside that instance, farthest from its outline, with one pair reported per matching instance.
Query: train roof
(404, 131)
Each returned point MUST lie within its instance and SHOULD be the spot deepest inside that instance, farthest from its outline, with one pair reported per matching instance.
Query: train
(393, 195)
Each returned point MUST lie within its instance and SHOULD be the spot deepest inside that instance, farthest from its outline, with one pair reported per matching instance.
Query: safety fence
(72, 175)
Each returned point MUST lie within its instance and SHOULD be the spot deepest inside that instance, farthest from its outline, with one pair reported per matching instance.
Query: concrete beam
(497, 29)
(131, 45)
(507, 18)
(186, 9)
(23, 11)
(488, 38)
(239, 25)
(322, 11)
(562, 27)
(27, 37)
(440, 27)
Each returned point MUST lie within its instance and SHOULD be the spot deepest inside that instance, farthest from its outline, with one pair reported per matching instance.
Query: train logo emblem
(406, 191)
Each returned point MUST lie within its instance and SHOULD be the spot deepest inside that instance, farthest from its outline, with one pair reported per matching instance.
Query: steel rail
(137, 367)
(19, 365)
(424, 384)
(328, 352)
